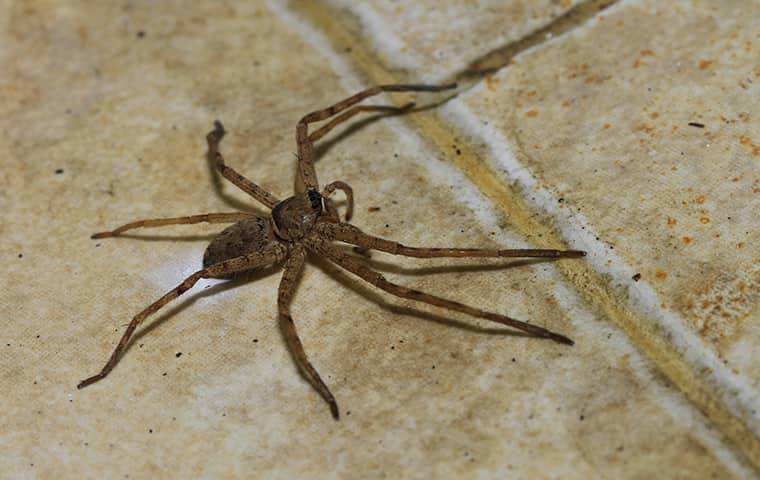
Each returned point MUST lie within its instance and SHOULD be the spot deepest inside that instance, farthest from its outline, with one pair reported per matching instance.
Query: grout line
(590, 283)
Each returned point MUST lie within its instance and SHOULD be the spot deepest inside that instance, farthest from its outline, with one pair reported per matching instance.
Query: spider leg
(160, 222)
(213, 138)
(345, 232)
(305, 144)
(324, 130)
(358, 268)
(232, 265)
(347, 190)
(293, 268)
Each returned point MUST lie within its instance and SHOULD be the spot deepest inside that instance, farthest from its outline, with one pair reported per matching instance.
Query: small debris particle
(686, 240)
(393, 348)
(671, 221)
(58, 171)
(150, 430)
(20, 255)
(514, 359)
(636, 277)
(704, 220)
(700, 199)
(164, 374)
(661, 275)
(178, 354)
(561, 200)
(531, 113)
(373, 209)
(255, 340)
(697, 124)
(582, 418)
(141, 34)
(705, 64)
(348, 412)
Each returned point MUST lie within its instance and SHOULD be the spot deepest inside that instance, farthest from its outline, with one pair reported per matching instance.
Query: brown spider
(309, 222)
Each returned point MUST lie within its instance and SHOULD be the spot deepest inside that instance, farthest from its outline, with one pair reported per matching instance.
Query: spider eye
(316, 199)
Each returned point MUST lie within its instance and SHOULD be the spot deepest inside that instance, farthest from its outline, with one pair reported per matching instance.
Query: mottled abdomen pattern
(246, 236)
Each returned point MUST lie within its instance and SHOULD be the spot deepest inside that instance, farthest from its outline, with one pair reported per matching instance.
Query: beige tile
(430, 40)
(123, 114)
(595, 127)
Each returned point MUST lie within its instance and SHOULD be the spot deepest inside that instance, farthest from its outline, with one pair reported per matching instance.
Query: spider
(310, 222)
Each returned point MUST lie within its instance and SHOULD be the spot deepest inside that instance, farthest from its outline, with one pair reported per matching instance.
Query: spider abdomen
(253, 234)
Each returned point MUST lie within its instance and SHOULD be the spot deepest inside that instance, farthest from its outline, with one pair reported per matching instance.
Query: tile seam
(588, 282)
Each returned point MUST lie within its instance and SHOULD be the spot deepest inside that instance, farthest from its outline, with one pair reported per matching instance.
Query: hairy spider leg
(358, 268)
(213, 138)
(292, 271)
(305, 144)
(162, 222)
(345, 232)
(347, 191)
(236, 264)
(325, 129)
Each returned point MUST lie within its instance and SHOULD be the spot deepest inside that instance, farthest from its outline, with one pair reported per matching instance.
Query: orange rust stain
(492, 82)
(531, 113)
(704, 220)
(565, 3)
(636, 64)
(747, 142)
(660, 275)
(646, 128)
(82, 32)
(671, 221)
(705, 64)
(757, 72)
(646, 52)
(686, 240)
(654, 115)
(606, 126)
(700, 199)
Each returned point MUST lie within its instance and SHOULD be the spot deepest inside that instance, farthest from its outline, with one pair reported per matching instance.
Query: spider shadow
(325, 146)
(229, 284)
(365, 290)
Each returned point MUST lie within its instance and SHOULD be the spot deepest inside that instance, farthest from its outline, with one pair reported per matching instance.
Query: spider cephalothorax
(310, 222)
(294, 218)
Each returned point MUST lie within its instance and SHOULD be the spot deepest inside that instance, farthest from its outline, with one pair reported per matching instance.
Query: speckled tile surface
(104, 121)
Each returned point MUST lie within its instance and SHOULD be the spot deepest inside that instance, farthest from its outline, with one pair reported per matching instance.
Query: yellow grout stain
(591, 285)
